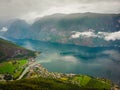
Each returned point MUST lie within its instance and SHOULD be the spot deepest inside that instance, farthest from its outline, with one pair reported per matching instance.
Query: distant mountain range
(89, 29)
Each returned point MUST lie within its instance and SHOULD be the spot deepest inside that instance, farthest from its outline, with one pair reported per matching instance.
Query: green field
(14, 67)
(87, 81)
(83, 79)
(54, 84)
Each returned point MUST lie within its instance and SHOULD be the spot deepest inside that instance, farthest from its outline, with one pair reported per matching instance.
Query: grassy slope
(11, 68)
(13, 58)
(90, 82)
(8, 50)
(38, 84)
(49, 84)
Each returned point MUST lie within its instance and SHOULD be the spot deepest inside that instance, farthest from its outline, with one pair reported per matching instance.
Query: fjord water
(64, 58)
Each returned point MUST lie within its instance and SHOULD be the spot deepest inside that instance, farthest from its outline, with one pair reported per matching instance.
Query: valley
(29, 73)
(68, 58)
(61, 51)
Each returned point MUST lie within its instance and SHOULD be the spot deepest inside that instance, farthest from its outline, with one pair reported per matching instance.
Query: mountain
(10, 50)
(18, 29)
(89, 29)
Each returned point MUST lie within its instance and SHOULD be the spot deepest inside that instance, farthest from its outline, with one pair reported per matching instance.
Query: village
(33, 69)
(37, 70)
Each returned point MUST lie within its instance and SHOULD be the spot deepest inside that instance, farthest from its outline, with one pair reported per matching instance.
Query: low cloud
(113, 36)
(4, 29)
(84, 34)
(56, 62)
(98, 66)
(10, 9)
(115, 55)
(28, 46)
(58, 57)
(108, 36)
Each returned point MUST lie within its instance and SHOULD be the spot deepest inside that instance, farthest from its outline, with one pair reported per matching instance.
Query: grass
(10, 50)
(83, 79)
(90, 82)
(51, 84)
(98, 84)
(14, 67)
(39, 84)
(64, 79)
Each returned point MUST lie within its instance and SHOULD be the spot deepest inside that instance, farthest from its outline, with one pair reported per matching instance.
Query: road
(25, 71)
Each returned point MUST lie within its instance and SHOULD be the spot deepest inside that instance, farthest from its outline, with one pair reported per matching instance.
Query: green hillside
(55, 84)
(10, 50)
(13, 67)
(13, 59)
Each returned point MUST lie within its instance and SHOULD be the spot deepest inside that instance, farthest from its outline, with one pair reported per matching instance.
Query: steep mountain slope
(79, 29)
(79, 22)
(18, 29)
(9, 50)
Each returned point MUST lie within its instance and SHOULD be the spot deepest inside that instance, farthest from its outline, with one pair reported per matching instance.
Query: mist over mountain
(89, 29)
(17, 29)
(60, 45)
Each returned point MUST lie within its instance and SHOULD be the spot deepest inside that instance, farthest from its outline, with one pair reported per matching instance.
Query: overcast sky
(30, 9)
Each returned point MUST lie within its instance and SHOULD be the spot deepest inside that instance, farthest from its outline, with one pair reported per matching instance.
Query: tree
(8, 77)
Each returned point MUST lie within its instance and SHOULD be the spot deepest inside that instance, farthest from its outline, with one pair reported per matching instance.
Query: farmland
(13, 67)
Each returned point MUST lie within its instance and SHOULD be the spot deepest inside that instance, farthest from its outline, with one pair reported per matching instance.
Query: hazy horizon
(33, 9)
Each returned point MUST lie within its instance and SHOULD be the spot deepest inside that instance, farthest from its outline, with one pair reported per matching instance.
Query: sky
(31, 9)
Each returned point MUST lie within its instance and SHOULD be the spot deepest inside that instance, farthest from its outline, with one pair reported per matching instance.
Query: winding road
(26, 69)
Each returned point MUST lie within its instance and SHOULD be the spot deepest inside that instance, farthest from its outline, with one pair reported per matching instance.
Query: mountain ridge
(59, 28)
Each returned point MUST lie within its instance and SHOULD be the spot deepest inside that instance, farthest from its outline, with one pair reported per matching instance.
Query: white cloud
(28, 45)
(105, 35)
(4, 29)
(58, 57)
(71, 8)
(115, 55)
(84, 34)
(37, 8)
(71, 59)
(42, 8)
(30, 17)
(113, 36)
(118, 21)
